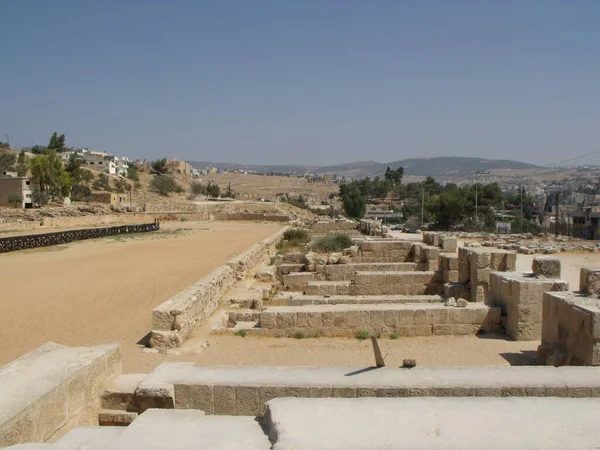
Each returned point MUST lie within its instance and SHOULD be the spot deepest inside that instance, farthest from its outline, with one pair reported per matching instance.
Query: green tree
(57, 143)
(197, 188)
(132, 172)
(394, 176)
(354, 202)
(165, 184)
(7, 160)
(122, 186)
(39, 150)
(22, 164)
(213, 189)
(49, 177)
(159, 167)
(14, 199)
(102, 183)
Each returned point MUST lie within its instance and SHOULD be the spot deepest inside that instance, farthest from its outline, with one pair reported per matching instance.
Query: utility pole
(422, 206)
(479, 172)
(556, 220)
(521, 198)
(7, 140)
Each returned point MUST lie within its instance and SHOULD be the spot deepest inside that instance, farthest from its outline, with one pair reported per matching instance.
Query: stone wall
(53, 389)
(448, 244)
(520, 296)
(475, 266)
(372, 251)
(571, 325)
(329, 227)
(347, 272)
(175, 320)
(253, 216)
(405, 320)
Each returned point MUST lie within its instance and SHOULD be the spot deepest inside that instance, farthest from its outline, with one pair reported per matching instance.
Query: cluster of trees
(210, 189)
(354, 195)
(446, 207)
(299, 202)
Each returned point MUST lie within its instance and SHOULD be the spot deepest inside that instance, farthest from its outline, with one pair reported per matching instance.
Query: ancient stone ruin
(59, 397)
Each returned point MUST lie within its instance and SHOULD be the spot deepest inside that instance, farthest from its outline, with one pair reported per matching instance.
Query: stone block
(546, 267)
(450, 276)
(589, 281)
(225, 402)
(247, 400)
(449, 244)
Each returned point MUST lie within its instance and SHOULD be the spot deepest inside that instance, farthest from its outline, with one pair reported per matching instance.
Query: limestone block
(247, 400)
(589, 281)
(479, 260)
(462, 303)
(546, 267)
(225, 400)
(449, 244)
(200, 397)
(450, 262)
(268, 319)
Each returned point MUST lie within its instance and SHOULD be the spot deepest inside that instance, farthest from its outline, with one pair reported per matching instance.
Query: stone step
(301, 300)
(426, 423)
(88, 438)
(245, 326)
(159, 429)
(422, 319)
(286, 269)
(120, 391)
(243, 390)
(346, 272)
(328, 288)
(297, 281)
(116, 417)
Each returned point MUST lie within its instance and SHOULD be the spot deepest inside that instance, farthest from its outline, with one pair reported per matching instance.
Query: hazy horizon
(305, 83)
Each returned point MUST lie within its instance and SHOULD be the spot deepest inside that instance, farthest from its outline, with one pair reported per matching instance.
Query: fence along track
(14, 243)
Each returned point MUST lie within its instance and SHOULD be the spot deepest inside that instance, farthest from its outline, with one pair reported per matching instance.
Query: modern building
(20, 186)
(111, 198)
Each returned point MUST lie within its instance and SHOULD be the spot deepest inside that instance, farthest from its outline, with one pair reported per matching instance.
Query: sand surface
(101, 291)
(492, 350)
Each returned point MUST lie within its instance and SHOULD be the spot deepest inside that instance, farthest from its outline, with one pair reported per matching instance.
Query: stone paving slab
(434, 423)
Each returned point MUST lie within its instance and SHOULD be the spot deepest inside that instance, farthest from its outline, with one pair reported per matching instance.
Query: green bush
(296, 234)
(332, 243)
(241, 333)
(394, 335)
(362, 335)
(164, 184)
(14, 199)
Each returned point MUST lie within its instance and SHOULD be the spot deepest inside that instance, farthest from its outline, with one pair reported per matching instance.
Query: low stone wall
(347, 272)
(329, 227)
(67, 222)
(520, 296)
(254, 216)
(244, 390)
(424, 319)
(175, 320)
(53, 389)
(373, 251)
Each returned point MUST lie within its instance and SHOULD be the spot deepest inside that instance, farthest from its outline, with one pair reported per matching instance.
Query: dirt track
(101, 291)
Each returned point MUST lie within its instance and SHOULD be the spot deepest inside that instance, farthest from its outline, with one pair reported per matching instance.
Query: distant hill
(440, 167)
(290, 168)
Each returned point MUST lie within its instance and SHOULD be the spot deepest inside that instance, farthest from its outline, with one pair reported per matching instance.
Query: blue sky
(304, 81)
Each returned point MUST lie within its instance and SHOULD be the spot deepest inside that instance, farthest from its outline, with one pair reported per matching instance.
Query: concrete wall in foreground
(53, 389)
(175, 320)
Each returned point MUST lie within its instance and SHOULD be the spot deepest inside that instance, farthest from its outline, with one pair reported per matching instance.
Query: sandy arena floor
(96, 292)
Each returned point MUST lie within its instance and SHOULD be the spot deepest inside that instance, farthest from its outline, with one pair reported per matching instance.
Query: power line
(576, 158)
